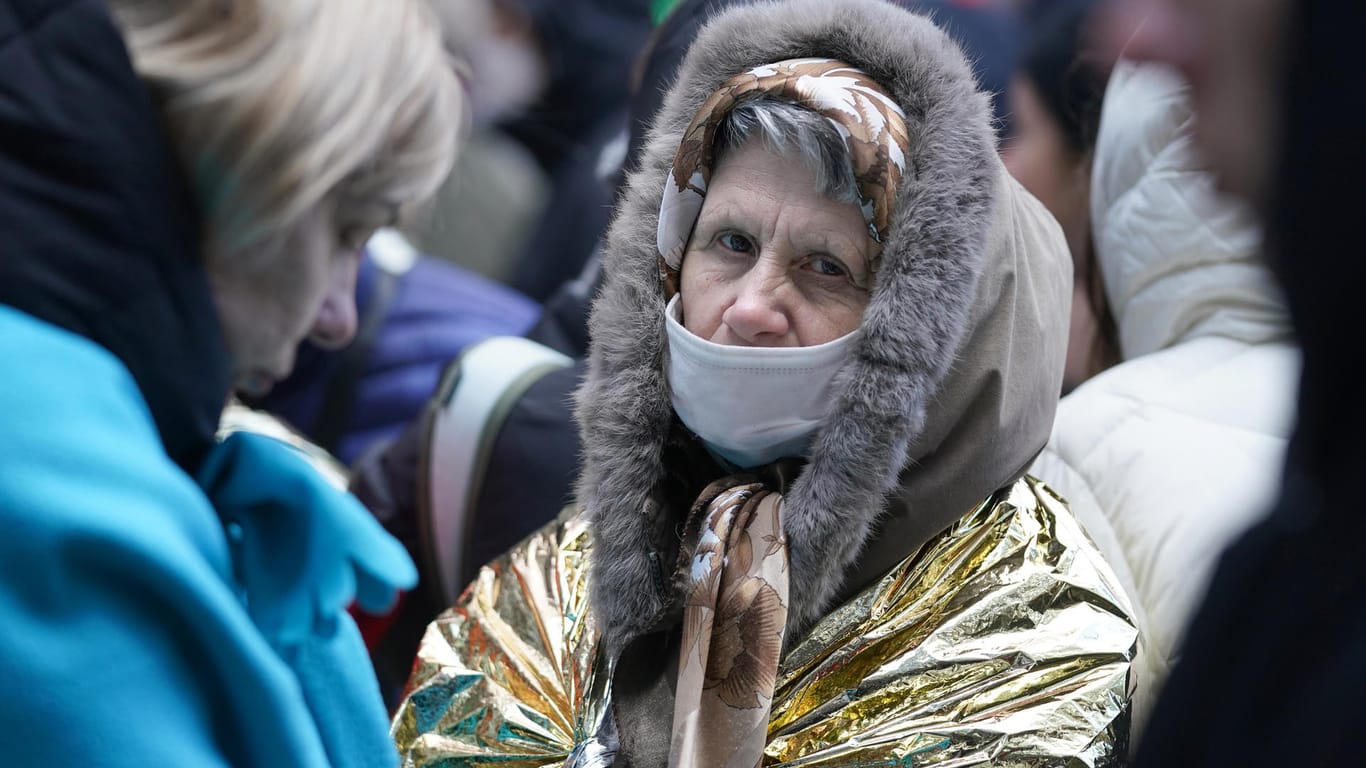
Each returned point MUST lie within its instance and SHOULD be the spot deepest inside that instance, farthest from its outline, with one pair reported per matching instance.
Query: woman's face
(1232, 53)
(307, 292)
(1040, 159)
(772, 262)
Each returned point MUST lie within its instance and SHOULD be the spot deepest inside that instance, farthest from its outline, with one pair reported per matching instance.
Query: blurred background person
(481, 216)
(1174, 451)
(1055, 97)
(184, 188)
(1272, 664)
(549, 83)
(577, 130)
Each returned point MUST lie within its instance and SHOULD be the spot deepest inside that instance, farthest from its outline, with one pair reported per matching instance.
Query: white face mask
(750, 405)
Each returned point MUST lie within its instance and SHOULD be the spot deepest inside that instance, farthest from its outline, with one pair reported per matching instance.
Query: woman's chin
(254, 385)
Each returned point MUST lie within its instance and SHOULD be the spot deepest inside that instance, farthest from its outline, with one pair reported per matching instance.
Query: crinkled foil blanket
(1004, 641)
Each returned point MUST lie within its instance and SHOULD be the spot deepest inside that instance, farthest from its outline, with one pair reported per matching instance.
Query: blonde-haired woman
(183, 190)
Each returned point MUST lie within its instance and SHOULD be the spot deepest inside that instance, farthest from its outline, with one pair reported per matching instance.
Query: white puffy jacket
(1169, 455)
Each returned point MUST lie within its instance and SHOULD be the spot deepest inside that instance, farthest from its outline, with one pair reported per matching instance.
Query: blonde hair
(276, 107)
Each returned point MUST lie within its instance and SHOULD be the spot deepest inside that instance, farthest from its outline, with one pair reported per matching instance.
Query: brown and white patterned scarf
(873, 125)
(734, 615)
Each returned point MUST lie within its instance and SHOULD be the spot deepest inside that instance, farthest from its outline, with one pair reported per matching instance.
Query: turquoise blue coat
(149, 618)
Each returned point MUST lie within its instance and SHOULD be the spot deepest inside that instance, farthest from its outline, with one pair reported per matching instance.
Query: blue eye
(826, 266)
(737, 243)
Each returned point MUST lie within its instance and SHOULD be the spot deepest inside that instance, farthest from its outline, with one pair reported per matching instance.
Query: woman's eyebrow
(722, 214)
(828, 242)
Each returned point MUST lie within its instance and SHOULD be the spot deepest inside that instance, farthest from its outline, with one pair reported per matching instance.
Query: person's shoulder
(1247, 385)
(1045, 506)
(55, 364)
(1205, 424)
(66, 398)
(1213, 387)
(82, 462)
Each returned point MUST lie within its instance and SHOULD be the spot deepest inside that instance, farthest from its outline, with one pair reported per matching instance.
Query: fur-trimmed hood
(951, 385)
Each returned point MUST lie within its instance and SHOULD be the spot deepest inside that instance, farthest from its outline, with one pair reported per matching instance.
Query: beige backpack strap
(476, 393)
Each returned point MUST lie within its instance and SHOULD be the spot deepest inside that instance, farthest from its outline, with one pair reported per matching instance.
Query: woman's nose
(336, 322)
(758, 317)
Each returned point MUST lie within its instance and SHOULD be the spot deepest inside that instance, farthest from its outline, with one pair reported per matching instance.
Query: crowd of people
(679, 383)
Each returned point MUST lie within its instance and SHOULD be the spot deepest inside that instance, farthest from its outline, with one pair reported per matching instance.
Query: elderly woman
(183, 190)
(829, 341)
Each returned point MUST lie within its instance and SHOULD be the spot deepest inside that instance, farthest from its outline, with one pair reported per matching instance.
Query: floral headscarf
(872, 124)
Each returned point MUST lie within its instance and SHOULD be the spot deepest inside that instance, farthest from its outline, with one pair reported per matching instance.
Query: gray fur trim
(911, 331)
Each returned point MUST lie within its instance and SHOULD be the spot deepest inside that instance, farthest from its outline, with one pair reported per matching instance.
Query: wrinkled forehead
(869, 120)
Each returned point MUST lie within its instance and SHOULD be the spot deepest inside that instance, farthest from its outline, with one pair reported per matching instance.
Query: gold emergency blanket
(1003, 641)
